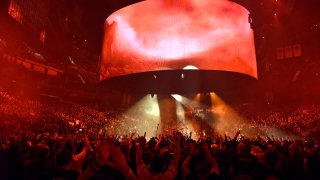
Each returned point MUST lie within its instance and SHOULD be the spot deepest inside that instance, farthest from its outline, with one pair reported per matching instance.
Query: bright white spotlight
(153, 109)
(190, 67)
(180, 112)
(143, 116)
(177, 97)
(182, 75)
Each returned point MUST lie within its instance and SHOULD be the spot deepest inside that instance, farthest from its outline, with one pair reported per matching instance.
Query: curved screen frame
(125, 53)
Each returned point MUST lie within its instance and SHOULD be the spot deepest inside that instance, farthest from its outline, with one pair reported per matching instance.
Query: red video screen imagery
(158, 35)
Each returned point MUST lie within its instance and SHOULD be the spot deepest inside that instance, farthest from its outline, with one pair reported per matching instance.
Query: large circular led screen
(157, 35)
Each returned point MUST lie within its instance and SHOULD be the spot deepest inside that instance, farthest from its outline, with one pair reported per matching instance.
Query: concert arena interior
(160, 89)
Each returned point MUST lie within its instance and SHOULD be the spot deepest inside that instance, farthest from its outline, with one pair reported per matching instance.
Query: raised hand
(87, 143)
(142, 140)
(103, 151)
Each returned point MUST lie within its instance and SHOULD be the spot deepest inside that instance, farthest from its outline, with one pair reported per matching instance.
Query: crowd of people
(303, 121)
(59, 140)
